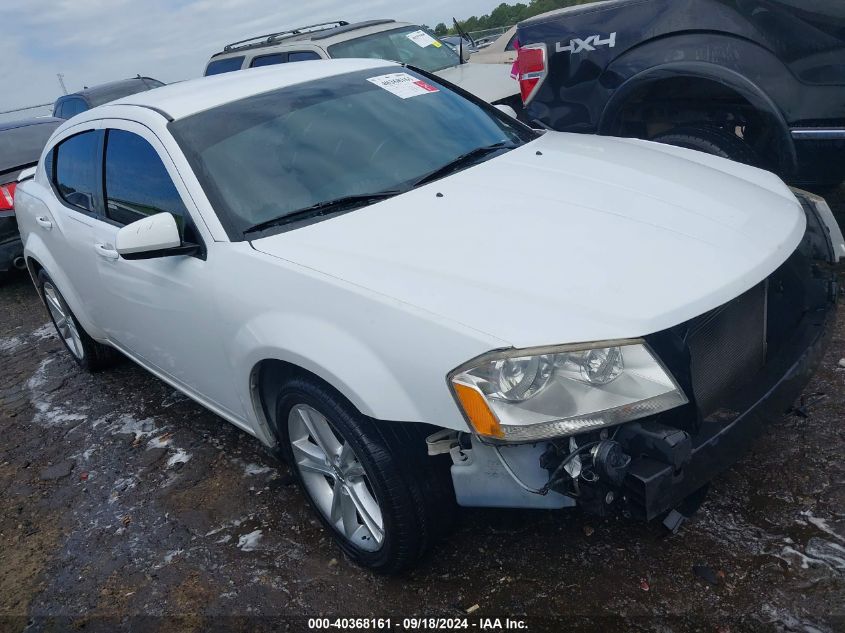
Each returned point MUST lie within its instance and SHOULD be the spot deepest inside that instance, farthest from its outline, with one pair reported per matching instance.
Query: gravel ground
(124, 505)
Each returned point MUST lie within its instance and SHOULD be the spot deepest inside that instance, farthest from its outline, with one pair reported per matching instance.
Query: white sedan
(418, 300)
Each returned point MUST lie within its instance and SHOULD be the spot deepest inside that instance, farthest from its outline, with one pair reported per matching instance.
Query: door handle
(44, 223)
(106, 252)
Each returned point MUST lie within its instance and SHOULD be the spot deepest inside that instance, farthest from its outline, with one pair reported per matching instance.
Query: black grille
(727, 348)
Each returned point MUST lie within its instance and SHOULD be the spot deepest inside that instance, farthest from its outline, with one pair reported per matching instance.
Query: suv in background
(376, 39)
(759, 82)
(70, 105)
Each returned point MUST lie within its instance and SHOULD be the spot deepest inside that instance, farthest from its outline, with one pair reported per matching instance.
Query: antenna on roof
(62, 82)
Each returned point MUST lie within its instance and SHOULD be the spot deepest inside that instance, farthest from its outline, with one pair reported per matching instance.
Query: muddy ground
(124, 506)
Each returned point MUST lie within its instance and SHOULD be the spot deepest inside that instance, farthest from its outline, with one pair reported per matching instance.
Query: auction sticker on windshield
(422, 39)
(403, 85)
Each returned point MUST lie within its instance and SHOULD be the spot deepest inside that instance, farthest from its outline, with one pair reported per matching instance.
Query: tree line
(507, 15)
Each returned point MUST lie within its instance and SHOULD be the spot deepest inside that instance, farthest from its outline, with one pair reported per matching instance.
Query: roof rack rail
(270, 38)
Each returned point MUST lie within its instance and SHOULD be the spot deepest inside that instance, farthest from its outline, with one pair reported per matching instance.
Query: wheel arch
(725, 79)
(266, 381)
(38, 258)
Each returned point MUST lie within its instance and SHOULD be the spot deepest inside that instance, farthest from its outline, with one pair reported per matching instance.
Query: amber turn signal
(483, 420)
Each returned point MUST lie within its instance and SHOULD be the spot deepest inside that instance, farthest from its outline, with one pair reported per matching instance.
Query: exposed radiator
(728, 348)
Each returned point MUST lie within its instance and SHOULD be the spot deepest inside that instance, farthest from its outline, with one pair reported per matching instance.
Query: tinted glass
(50, 164)
(137, 182)
(268, 60)
(511, 46)
(72, 107)
(423, 51)
(76, 170)
(272, 154)
(303, 56)
(224, 66)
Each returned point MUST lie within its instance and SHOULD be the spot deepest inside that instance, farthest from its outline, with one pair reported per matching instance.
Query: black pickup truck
(758, 81)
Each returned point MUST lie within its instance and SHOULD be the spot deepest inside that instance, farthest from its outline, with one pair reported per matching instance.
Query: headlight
(525, 395)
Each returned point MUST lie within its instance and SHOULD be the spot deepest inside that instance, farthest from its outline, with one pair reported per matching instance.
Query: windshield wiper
(339, 205)
(464, 160)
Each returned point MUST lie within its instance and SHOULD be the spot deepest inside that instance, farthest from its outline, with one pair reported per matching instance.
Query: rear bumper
(654, 487)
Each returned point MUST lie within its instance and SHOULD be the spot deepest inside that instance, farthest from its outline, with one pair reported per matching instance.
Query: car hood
(567, 239)
(491, 83)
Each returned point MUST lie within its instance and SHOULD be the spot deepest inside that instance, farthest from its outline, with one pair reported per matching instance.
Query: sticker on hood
(403, 85)
(423, 39)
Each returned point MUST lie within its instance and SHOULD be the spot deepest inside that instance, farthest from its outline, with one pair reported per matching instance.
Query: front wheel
(372, 484)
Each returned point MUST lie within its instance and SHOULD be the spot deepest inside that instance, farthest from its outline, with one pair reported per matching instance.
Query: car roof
(185, 98)
(103, 93)
(325, 36)
(21, 141)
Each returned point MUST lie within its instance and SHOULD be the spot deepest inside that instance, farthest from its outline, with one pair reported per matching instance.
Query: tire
(389, 466)
(711, 140)
(88, 353)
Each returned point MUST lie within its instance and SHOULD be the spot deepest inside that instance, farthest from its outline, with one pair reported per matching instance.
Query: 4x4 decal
(577, 45)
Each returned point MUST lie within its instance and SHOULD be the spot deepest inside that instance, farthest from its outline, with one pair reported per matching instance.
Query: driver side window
(137, 184)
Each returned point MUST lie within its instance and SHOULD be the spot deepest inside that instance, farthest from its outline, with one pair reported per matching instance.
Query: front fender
(335, 355)
(388, 358)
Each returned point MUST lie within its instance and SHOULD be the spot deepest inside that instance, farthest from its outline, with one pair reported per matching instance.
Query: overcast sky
(93, 41)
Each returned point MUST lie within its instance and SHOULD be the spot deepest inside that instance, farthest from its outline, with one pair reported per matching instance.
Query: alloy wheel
(335, 478)
(63, 320)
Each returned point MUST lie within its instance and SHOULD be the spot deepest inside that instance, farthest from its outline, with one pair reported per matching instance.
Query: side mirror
(155, 236)
(465, 54)
(501, 107)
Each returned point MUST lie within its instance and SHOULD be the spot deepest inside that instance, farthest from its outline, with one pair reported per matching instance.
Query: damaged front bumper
(743, 366)
(654, 485)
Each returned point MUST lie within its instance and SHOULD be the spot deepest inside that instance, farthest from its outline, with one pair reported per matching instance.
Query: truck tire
(88, 353)
(711, 140)
(372, 484)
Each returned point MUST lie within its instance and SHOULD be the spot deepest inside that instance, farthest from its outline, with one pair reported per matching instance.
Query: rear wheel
(88, 353)
(372, 485)
(711, 140)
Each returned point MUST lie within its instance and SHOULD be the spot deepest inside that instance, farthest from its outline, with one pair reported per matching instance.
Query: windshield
(410, 45)
(357, 134)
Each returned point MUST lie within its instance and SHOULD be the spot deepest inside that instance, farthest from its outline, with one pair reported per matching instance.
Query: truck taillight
(7, 197)
(532, 61)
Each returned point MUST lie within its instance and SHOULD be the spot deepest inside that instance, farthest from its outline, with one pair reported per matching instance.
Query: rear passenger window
(76, 170)
(224, 66)
(268, 60)
(302, 56)
(136, 181)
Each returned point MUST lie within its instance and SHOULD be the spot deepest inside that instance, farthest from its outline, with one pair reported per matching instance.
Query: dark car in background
(21, 143)
(757, 81)
(70, 105)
